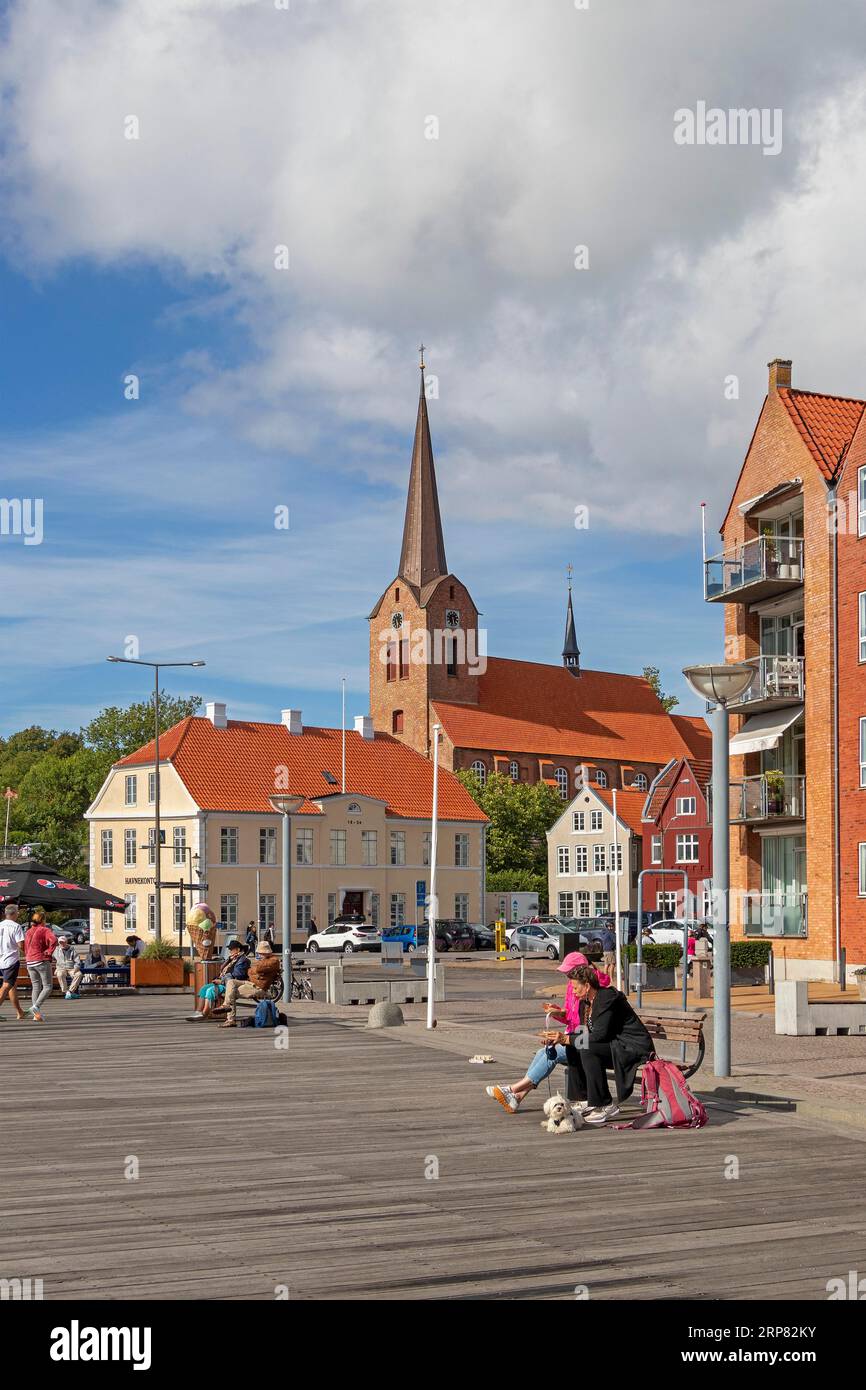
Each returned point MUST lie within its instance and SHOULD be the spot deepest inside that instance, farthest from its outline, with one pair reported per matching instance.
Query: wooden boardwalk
(306, 1168)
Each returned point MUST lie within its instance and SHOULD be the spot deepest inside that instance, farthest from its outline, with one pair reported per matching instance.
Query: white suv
(346, 936)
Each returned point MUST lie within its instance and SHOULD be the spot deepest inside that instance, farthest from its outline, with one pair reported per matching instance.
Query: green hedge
(744, 955)
(748, 953)
(662, 957)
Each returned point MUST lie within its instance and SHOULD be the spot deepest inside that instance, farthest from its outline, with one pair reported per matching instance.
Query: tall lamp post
(155, 667)
(719, 685)
(286, 805)
(434, 896)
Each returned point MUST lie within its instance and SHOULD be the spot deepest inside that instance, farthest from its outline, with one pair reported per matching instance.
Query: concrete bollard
(385, 1015)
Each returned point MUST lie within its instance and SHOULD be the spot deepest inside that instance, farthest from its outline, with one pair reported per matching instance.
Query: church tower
(424, 629)
(570, 650)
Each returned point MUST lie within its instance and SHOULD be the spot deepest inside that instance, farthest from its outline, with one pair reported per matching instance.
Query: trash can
(204, 973)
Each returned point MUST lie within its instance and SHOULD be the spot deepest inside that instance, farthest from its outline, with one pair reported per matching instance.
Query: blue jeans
(542, 1065)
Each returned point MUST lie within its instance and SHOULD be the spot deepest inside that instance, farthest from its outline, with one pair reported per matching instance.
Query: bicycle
(301, 987)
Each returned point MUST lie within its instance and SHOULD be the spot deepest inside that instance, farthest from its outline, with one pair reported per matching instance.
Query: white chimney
(364, 725)
(216, 713)
(292, 720)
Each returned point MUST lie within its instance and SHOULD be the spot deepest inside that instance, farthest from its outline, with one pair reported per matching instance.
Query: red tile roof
(825, 423)
(629, 806)
(234, 769)
(702, 771)
(695, 734)
(525, 707)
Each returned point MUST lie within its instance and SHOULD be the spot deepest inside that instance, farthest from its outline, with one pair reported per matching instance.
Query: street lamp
(721, 684)
(155, 666)
(434, 896)
(286, 806)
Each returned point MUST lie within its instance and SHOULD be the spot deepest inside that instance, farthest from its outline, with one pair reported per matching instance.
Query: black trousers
(587, 1073)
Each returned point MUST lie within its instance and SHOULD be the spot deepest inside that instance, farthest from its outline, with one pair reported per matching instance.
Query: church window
(640, 782)
(397, 722)
(600, 777)
(480, 770)
(392, 661)
(561, 779)
(404, 658)
(396, 595)
(451, 592)
(452, 656)
(514, 771)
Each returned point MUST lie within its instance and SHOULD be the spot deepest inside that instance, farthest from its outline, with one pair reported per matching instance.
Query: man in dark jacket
(611, 1035)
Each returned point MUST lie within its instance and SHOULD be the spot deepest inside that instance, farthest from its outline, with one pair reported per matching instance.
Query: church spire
(570, 651)
(422, 557)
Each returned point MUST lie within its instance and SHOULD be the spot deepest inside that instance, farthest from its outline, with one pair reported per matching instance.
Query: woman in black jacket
(611, 1035)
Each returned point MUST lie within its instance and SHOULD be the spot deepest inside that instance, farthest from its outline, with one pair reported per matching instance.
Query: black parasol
(38, 885)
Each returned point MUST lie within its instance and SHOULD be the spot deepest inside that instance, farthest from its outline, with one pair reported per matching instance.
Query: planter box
(161, 974)
(749, 975)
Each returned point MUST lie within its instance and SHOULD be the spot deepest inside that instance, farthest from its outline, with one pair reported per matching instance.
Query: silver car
(535, 937)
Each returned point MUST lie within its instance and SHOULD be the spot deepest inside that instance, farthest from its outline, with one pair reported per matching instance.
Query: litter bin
(204, 973)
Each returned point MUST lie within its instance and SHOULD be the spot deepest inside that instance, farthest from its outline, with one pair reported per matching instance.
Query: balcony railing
(778, 680)
(764, 566)
(769, 796)
(781, 913)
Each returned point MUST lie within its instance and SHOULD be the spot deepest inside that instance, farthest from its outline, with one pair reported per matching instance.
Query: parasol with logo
(38, 885)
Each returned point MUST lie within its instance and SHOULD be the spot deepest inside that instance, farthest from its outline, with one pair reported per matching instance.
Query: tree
(520, 815)
(118, 730)
(652, 676)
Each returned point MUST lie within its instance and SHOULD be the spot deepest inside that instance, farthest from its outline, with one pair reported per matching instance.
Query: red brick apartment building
(533, 722)
(792, 578)
(677, 836)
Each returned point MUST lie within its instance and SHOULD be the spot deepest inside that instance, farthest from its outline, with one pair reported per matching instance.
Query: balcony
(780, 913)
(755, 570)
(778, 681)
(771, 796)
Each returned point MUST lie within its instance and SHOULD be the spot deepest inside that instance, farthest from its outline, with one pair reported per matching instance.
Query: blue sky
(556, 387)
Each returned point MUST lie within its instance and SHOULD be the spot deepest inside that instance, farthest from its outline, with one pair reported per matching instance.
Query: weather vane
(421, 350)
(570, 571)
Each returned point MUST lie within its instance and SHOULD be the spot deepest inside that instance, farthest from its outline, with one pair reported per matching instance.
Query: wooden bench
(685, 1028)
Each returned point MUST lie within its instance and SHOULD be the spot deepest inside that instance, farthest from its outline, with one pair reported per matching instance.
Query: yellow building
(366, 850)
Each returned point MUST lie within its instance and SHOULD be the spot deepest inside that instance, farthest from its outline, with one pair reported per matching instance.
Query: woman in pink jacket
(551, 1055)
(39, 947)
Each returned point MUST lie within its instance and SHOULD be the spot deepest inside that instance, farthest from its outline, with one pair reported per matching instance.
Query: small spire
(422, 557)
(570, 651)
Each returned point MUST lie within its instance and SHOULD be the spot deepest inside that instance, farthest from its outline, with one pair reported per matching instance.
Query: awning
(763, 731)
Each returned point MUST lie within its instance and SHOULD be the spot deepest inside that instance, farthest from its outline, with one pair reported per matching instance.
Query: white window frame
(304, 845)
(560, 777)
(426, 841)
(229, 911)
(338, 846)
(514, 771)
(563, 858)
(267, 911)
(596, 820)
(131, 914)
(582, 897)
(600, 777)
(863, 752)
(480, 770)
(861, 501)
(861, 849)
(666, 901)
(578, 822)
(656, 849)
(228, 844)
(151, 788)
(615, 856)
(599, 859)
(461, 906)
(397, 909)
(581, 859)
(130, 790)
(566, 904)
(178, 841)
(106, 841)
(267, 844)
(461, 850)
(600, 901)
(130, 848)
(151, 912)
(303, 911)
(687, 805)
(369, 847)
(641, 783)
(862, 612)
(397, 856)
(691, 843)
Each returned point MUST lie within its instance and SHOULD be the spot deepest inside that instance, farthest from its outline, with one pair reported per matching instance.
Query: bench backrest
(687, 1027)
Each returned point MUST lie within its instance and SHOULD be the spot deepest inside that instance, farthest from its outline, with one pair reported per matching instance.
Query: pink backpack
(667, 1101)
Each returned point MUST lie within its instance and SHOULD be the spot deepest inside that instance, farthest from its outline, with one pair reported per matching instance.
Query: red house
(678, 836)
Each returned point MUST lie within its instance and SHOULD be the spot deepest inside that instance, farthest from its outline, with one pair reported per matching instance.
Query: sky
(259, 209)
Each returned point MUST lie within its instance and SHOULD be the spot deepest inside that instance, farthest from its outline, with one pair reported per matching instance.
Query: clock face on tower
(452, 617)
(396, 619)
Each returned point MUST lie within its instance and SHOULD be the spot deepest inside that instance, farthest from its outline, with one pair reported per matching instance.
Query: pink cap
(572, 961)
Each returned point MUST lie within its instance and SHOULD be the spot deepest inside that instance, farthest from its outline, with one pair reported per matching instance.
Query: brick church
(557, 723)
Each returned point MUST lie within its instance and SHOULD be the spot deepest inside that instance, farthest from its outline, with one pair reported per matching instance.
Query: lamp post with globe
(286, 805)
(721, 684)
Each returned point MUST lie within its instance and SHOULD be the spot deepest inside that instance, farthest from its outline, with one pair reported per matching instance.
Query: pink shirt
(572, 1005)
(39, 944)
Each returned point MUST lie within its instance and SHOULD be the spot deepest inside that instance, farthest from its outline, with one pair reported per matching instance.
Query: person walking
(66, 965)
(250, 937)
(11, 936)
(39, 947)
(269, 935)
(608, 946)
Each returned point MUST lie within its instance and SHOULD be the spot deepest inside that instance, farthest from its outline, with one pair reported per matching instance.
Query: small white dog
(560, 1119)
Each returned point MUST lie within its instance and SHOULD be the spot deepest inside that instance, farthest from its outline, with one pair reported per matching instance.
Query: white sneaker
(506, 1097)
(601, 1114)
(580, 1107)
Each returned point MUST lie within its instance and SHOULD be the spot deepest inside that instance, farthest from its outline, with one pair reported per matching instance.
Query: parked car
(484, 936)
(627, 924)
(347, 935)
(78, 928)
(452, 934)
(670, 931)
(547, 940)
